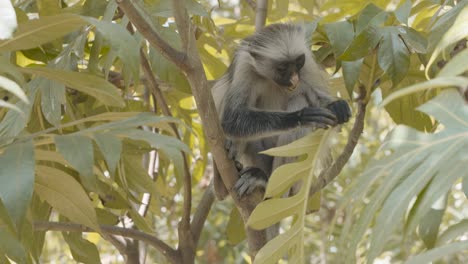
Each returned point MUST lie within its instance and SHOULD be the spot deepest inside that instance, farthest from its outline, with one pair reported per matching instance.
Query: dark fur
(257, 111)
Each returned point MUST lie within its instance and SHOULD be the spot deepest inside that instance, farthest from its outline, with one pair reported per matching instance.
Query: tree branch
(192, 66)
(261, 14)
(203, 209)
(161, 101)
(170, 253)
(327, 175)
(138, 17)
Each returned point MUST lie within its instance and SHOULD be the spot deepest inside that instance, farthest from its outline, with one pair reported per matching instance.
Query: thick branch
(138, 18)
(166, 250)
(261, 14)
(327, 175)
(212, 128)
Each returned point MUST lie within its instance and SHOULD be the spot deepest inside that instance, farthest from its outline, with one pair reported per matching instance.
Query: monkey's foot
(251, 179)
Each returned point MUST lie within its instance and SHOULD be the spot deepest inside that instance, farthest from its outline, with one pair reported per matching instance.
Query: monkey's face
(287, 72)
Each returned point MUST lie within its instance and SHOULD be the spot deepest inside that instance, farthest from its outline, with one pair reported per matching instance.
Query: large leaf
(438, 253)
(126, 46)
(111, 147)
(65, 195)
(292, 240)
(36, 32)
(17, 179)
(403, 109)
(457, 31)
(393, 56)
(81, 249)
(78, 151)
(11, 246)
(86, 83)
(340, 35)
(417, 160)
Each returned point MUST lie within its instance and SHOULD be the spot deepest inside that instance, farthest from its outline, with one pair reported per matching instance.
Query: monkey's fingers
(230, 148)
(251, 179)
(341, 109)
(318, 111)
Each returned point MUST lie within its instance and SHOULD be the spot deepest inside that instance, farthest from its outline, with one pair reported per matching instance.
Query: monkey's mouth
(294, 81)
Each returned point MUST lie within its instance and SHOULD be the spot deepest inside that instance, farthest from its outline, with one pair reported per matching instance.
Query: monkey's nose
(294, 82)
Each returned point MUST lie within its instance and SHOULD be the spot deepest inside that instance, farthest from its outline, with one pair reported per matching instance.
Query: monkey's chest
(272, 102)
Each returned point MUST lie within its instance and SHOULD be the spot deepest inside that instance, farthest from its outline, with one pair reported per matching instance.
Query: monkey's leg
(257, 167)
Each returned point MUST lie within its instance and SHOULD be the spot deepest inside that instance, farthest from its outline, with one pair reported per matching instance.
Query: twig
(166, 250)
(161, 101)
(327, 175)
(203, 209)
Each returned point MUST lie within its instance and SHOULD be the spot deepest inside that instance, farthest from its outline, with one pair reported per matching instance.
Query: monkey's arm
(242, 121)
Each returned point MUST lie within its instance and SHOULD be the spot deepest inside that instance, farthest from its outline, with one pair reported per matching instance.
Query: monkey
(272, 93)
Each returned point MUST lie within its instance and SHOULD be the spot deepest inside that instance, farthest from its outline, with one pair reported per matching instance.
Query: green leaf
(456, 66)
(414, 41)
(86, 83)
(65, 195)
(403, 11)
(416, 160)
(141, 222)
(81, 249)
(291, 242)
(235, 230)
(78, 151)
(419, 87)
(393, 56)
(436, 190)
(127, 48)
(13, 122)
(340, 35)
(465, 186)
(403, 109)
(457, 31)
(438, 253)
(17, 179)
(36, 32)
(52, 98)
(363, 44)
(13, 88)
(11, 246)
(110, 147)
(371, 16)
(429, 226)
(454, 231)
(11, 106)
(351, 71)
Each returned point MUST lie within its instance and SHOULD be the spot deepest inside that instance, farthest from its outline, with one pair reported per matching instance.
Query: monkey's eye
(300, 60)
(282, 68)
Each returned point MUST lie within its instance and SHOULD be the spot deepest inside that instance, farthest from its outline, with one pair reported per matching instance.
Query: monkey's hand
(320, 116)
(341, 109)
(231, 149)
(251, 179)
